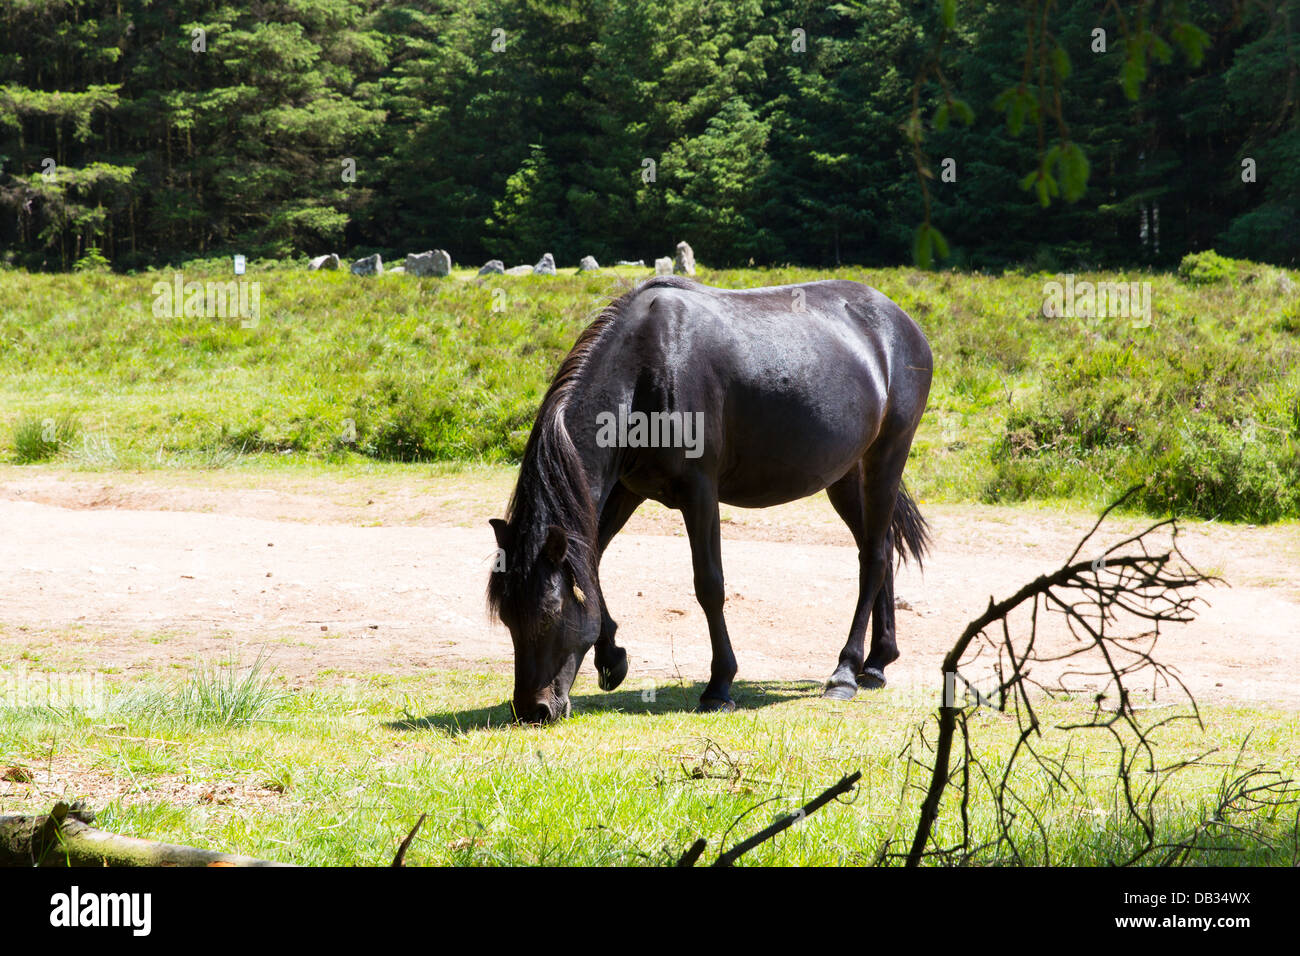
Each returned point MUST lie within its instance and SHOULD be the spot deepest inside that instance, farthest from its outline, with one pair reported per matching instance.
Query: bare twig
(400, 859)
(826, 796)
(845, 785)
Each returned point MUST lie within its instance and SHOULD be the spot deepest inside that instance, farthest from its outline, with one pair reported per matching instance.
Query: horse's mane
(552, 487)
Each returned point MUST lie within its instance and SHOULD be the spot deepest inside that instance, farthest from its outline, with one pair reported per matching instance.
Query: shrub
(1211, 430)
(1232, 472)
(1206, 268)
(92, 261)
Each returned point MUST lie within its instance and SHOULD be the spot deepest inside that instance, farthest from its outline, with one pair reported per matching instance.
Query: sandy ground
(138, 572)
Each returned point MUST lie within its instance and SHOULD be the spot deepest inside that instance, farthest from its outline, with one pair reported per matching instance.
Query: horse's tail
(911, 531)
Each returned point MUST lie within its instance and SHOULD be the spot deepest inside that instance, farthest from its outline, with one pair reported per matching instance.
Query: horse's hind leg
(700, 508)
(611, 660)
(884, 648)
(864, 498)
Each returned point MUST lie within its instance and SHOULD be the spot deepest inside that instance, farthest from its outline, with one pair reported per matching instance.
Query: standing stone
(684, 264)
(519, 271)
(420, 263)
(639, 263)
(545, 266)
(588, 264)
(435, 262)
(395, 271)
(492, 267)
(330, 261)
(369, 266)
(664, 266)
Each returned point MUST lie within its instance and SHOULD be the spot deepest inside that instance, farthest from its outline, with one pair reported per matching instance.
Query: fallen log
(65, 837)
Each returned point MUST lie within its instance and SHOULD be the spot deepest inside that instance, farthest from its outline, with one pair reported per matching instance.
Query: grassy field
(338, 774)
(348, 376)
(1202, 403)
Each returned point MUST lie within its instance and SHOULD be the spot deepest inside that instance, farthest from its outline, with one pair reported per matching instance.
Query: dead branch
(65, 837)
(1131, 581)
(728, 858)
(400, 858)
(693, 852)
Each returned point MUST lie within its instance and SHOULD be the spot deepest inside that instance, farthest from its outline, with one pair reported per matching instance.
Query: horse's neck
(600, 465)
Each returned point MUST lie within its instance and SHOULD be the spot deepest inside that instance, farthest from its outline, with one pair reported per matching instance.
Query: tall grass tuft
(96, 451)
(214, 695)
(40, 439)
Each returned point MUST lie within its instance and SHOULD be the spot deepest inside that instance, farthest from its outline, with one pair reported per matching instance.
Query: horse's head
(552, 609)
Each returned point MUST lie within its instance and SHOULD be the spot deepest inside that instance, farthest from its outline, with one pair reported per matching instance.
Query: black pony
(691, 395)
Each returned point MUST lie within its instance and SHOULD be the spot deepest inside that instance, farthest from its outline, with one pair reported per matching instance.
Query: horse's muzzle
(544, 710)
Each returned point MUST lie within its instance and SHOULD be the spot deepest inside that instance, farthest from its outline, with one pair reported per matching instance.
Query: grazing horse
(691, 395)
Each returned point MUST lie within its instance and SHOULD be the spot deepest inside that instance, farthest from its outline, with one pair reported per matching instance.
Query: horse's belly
(792, 451)
(747, 495)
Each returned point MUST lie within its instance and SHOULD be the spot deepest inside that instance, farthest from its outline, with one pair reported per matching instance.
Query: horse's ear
(502, 531)
(557, 544)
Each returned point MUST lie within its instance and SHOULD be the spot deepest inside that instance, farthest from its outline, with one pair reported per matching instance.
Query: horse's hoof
(872, 678)
(609, 677)
(710, 705)
(838, 692)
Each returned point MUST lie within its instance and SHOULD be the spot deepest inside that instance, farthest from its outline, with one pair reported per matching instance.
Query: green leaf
(928, 243)
(912, 128)
(923, 248)
(1191, 39)
(1015, 102)
(1134, 71)
(941, 117)
(1160, 50)
(1074, 170)
(1060, 62)
(939, 242)
(1131, 75)
(1041, 187)
(948, 13)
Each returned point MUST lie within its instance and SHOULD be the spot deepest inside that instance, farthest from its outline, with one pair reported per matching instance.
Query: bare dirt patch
(65, 779)
(386, 574)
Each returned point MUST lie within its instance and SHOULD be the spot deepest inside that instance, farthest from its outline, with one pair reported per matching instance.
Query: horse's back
(762, 337)
(800, 378)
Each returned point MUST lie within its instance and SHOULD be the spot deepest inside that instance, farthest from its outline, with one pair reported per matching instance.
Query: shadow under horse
(664, 699)
(690, 396)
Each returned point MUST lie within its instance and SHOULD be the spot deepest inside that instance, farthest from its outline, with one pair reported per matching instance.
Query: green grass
(215, 695)
(1203, 404)
(39, 439)
(338, 774)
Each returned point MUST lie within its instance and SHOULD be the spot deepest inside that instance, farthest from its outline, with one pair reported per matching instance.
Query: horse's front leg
(702, 528)
(611, 660)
